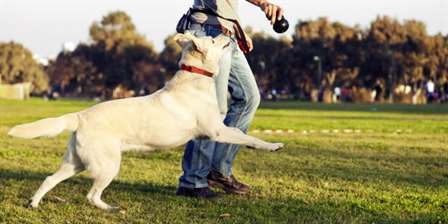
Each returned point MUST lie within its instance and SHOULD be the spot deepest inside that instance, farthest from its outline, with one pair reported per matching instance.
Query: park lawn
(343, 164)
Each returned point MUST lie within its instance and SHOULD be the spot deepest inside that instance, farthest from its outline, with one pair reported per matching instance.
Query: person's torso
(430, 87)
(224, 8)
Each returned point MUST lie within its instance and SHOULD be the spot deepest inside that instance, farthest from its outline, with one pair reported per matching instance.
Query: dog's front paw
(275, 146)
(32, 204)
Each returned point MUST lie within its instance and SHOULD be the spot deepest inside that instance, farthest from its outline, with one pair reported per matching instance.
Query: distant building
(20, 91)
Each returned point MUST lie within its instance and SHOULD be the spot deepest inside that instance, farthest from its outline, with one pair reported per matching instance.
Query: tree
(116, 29)
(117, 56)
(320, 56)
(325, 54)
(74, 73)
(267, 61)
(17, 65)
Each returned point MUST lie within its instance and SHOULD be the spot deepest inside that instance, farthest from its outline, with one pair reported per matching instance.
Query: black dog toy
(281, 26)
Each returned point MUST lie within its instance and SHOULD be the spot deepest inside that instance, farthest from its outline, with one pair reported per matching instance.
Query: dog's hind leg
(104, 167)
(71, 166)
(102, 178)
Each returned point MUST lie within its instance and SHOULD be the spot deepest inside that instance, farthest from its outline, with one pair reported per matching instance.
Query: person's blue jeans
(235, 77)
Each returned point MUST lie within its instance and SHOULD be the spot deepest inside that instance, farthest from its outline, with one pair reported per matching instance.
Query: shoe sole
(199, 197)
(192, 195)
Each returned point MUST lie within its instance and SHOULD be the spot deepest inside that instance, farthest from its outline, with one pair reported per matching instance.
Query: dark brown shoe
(229, 184)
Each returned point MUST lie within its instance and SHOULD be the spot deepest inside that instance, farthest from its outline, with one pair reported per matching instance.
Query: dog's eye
(228, 44)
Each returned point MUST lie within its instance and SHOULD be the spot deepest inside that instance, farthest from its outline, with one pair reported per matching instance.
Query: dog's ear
(184, 39)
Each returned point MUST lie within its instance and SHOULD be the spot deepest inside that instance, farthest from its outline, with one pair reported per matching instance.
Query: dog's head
(202, 52)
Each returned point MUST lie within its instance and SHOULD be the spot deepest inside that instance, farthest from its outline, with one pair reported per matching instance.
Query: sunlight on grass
(380, 176)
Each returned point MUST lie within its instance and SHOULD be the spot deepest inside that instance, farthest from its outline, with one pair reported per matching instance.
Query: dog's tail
(48, 127)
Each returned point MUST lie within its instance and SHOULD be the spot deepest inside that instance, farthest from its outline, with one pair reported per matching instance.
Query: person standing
(430, 87)
(205, 163)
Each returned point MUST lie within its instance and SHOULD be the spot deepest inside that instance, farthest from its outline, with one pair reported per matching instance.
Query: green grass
(395, 170)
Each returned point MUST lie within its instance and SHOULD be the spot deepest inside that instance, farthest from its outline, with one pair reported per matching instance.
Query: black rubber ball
(281, 26)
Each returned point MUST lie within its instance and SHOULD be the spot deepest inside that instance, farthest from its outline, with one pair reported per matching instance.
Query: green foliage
(319, 56)
(118, 56)
(117, 30)
(170, 55)
(380, 176)
(17, 65)
(388, 52)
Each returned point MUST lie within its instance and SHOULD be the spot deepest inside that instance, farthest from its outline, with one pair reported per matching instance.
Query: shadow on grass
(116, 184)
(159, 200)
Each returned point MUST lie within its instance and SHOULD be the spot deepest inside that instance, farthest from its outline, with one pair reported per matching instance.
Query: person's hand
(250, 44)
(272, 11)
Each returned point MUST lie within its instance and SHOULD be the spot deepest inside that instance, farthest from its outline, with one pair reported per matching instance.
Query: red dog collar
(196, 70)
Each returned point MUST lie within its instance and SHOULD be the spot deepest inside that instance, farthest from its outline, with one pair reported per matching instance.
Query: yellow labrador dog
(184, 109)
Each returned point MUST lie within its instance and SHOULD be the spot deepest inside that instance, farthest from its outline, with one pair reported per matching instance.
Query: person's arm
(272, 11)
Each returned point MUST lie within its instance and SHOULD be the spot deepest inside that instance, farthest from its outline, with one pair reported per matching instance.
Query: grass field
(342, 164)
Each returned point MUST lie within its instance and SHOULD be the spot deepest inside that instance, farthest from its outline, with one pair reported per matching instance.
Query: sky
(44, 26)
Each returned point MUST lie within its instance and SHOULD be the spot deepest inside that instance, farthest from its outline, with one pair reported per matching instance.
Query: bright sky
(44, 25)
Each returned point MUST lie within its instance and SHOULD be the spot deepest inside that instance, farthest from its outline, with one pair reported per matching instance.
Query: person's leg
(245, 99)
(196, 163)
(198, 154)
